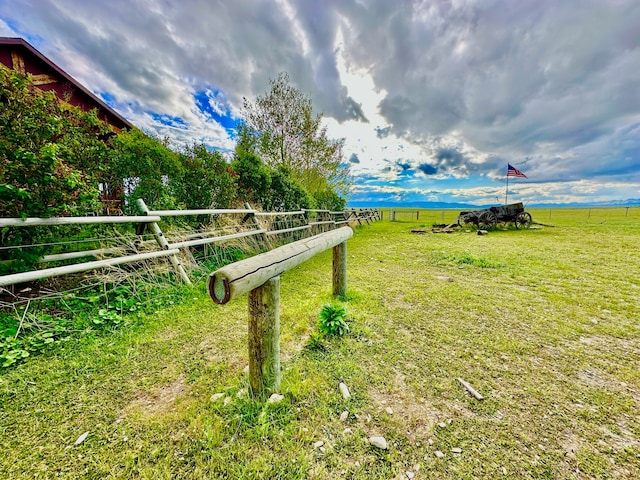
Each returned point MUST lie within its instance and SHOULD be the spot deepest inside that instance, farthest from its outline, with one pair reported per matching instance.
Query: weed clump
(333, 320)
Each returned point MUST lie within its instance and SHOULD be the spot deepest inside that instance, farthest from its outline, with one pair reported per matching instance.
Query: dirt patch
(418, 418)
(160, 401)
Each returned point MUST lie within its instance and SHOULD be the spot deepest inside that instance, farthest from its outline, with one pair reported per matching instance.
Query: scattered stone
(275, 398)
(216, 396)
(444, 278)
(456, 450)
(246, 369)
(379, 442)
(318, 444)
(322, 449)
(439, 454)
(82, 438)
(344, 415)
(347, 431)
(241, 393)
(430, 441)
(442, 425)
(227, 400)
(389, 410)
(409, 474)
(345, 391)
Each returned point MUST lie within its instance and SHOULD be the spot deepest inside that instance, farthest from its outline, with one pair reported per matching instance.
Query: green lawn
(544, 323)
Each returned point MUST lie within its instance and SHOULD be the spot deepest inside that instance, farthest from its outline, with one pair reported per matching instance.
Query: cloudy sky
(433, 98)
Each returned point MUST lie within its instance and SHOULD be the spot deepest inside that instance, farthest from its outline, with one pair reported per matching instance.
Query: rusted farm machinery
(489, 218)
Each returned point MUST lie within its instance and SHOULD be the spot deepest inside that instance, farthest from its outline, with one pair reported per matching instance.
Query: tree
(205, 181)
(46, 150)
(144, 165)
(282, 129)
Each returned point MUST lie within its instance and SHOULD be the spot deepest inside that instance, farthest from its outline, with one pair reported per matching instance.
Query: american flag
(514, 172)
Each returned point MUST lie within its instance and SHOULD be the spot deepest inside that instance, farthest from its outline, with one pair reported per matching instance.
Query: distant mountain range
(632, 202)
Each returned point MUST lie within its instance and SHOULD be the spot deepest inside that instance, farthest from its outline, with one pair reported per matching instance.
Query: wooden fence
(268, 228)
(260, 276)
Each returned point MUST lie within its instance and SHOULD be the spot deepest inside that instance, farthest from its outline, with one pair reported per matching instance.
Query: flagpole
(506, 191)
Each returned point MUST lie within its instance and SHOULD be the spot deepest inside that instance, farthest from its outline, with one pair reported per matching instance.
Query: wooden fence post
(264, 337)
(163, 243)
(340, 269)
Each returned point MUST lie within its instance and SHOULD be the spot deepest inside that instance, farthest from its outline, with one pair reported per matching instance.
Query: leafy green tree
(286, 193)
(206, 180)
(46, 151)
(253, 178)
(283, 130)
(144, 165)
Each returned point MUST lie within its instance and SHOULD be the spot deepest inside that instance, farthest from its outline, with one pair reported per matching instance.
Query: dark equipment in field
(489, 218)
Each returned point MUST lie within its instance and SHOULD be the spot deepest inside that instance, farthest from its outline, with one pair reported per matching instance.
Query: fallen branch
(470, 389)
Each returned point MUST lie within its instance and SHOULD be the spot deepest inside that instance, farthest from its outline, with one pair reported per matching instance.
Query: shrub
(333, 320)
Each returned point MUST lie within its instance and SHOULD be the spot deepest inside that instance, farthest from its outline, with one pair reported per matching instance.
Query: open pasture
(544, 323)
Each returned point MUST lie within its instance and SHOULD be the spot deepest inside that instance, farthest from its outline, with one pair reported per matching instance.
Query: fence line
(268, 226)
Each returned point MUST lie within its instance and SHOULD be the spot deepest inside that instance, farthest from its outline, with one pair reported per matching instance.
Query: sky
(433, 99)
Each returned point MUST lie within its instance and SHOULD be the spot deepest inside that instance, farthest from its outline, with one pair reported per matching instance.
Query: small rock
(444, 278)
(439, 454)
(227, 400)
(456, 450)
(389, 410)
(430, 441)
(318, 444)
(442, 425)
(216, 396)
(482, 232)
(241, 393)
(379, 442)
(345, 391)
(246, 369)
(347, 431)
(82, 438)
(322, 449)
(409, 474)
(275, 398)
(344, 415)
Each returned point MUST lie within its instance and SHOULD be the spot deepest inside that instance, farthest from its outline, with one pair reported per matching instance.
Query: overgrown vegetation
(56, 160)
(550, 338)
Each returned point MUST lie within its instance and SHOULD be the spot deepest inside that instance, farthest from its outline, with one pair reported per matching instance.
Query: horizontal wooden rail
(204, 241)
(245, 275)
(285, 230)
(34, 222)
(277, 214)
(80, 267)
(205, 211)
(326, 222)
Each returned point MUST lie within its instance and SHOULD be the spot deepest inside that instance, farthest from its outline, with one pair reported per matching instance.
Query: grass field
(544, 323)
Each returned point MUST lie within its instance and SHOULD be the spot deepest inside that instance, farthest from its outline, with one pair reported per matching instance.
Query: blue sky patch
(214, 105)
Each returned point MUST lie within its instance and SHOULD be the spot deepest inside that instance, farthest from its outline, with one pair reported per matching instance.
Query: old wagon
(489, 218)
